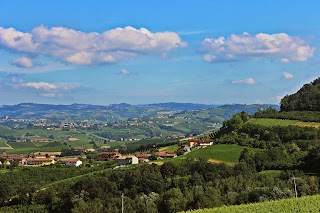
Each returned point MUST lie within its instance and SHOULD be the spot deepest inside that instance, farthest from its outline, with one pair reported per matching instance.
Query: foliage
(306, 99)
(34, 208)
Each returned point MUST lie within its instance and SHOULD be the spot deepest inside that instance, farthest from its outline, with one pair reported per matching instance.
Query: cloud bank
(245, 46)
(81, 48)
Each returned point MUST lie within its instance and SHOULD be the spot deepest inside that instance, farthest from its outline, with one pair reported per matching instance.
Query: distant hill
(111, 112)
(123, 111)
(226, 111)
(306, 99)
(182, 106)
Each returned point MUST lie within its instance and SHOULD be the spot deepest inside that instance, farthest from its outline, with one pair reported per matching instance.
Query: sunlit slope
(303, 204)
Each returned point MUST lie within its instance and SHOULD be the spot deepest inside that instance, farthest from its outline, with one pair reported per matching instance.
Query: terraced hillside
(302, 204)
(282, 122)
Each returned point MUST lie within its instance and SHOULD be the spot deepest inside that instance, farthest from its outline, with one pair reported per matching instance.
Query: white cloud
(245, 46)
(285, 60)
(76, 47)
(40, 85)
(48, 95)
(278, 98)
(287, 75)
(46, 89)
(124, 72)
(248, 81)
(22, 62)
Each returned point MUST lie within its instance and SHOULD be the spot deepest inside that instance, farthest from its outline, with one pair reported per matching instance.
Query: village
(80, 155)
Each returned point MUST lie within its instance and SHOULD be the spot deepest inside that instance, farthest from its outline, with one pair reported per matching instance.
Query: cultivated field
(280, 122)
(221, 153)
(303, 204)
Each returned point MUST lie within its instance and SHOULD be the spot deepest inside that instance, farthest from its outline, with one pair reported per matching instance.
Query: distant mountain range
(116, 112)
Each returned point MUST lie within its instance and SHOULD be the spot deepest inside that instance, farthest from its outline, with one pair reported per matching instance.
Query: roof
(199, 140)
(109, 153)
(143, 155)
(165, 154)
(72, 160)
(125, 157)
(49, 153)
(12, 155)
(39, 159)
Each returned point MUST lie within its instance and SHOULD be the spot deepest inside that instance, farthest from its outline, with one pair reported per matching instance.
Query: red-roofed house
(165, 155)
(40, 161)
(104, 156)
(72, 162)
(143, 155)
(14, 157)
(41, 139)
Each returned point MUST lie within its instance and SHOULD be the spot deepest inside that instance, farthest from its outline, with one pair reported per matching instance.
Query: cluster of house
(48, 158)
(40, 159)
(131, 159)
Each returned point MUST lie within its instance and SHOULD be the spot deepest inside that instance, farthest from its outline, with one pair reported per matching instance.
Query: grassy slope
(303, 204)
(221, 152)
(170, 149)
(281, 122)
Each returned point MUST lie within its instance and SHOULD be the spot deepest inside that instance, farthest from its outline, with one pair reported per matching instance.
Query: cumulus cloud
(40, 85)
(22, 62)
(248, 81)
(245, 46)
(76, 47)
(288, 75)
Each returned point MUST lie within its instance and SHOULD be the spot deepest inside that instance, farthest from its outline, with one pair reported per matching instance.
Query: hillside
(303, 204)
(306, 99)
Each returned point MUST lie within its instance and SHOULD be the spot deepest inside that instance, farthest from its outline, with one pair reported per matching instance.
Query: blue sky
(104, 52)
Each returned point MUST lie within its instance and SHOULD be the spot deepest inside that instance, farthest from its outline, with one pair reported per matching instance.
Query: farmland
(221, 153)
(302, 204)
(269, 122)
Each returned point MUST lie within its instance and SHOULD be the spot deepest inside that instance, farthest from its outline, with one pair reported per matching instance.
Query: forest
(306, 99)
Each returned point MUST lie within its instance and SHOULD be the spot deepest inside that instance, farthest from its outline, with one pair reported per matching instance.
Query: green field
(3, 144)
(303, 204)
(269, 122)
(221, 153)
(28, 147)
(170, 149)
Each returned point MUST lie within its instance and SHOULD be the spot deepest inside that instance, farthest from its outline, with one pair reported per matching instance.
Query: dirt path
(220, 161)
(8, 146)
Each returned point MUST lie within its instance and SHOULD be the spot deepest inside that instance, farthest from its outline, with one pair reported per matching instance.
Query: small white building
(124, 160)
(73, 162)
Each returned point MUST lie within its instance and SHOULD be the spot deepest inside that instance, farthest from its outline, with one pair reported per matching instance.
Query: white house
(123, 160)
(73, 162)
